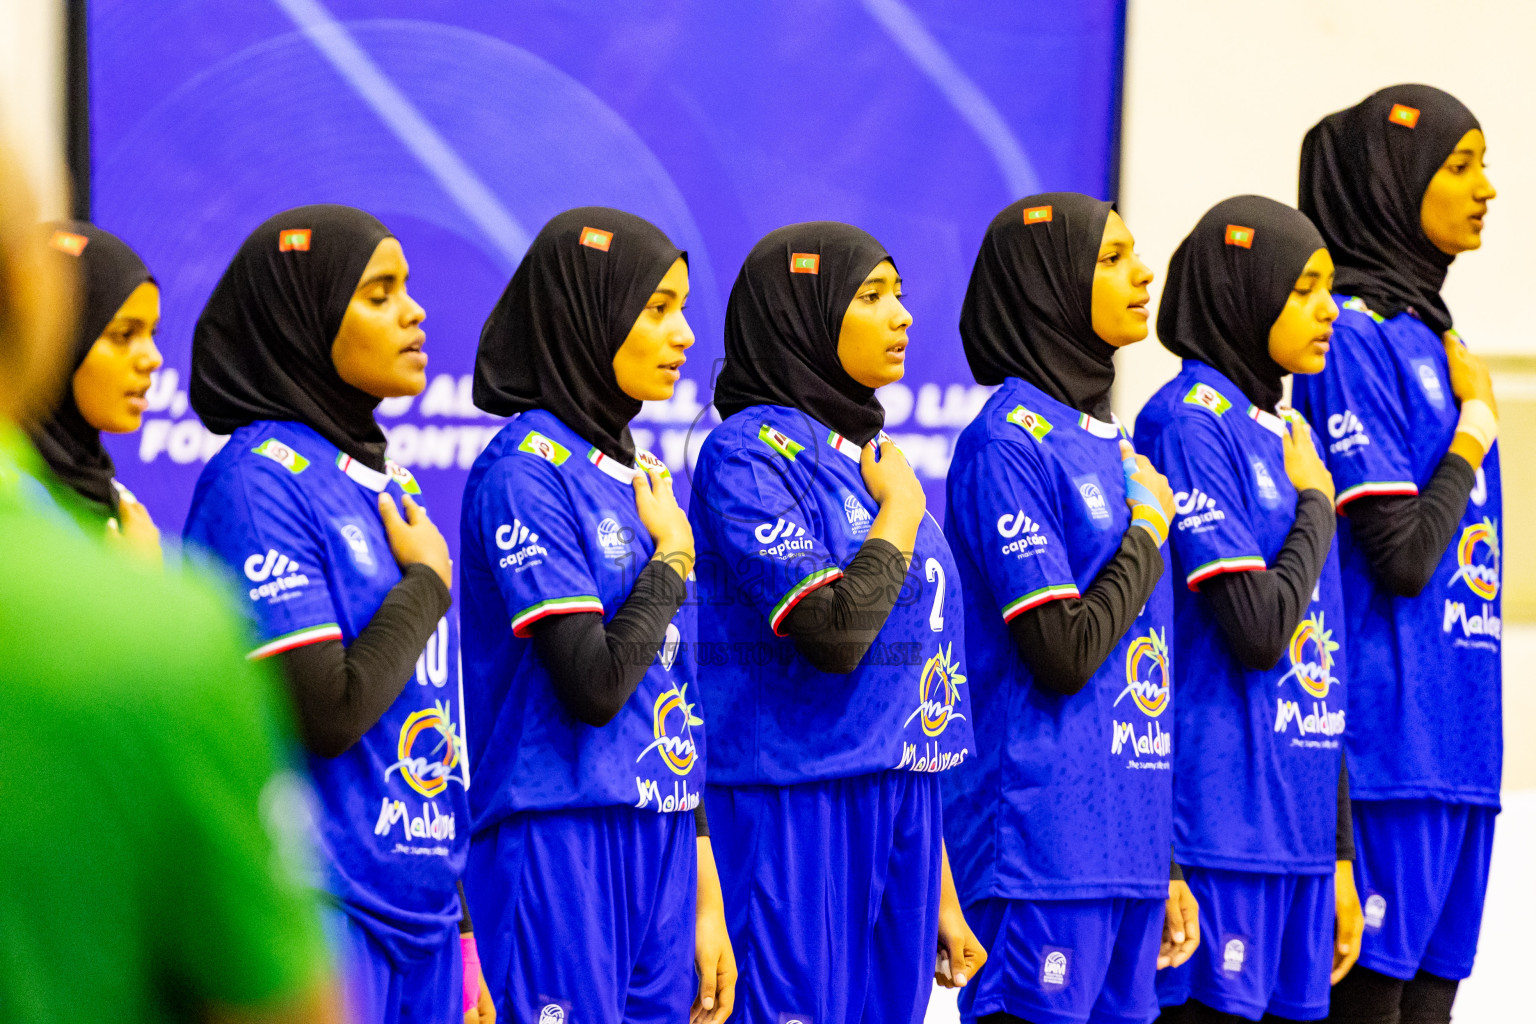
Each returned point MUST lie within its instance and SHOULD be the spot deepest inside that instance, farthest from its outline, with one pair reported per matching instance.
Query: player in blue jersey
(591, 871)
(831, 630)
(1261, 807)
(112, 356)
(1060, 826)
(1396, 186)
(309, 328)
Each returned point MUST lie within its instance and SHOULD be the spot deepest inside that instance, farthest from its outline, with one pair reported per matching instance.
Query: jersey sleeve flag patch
(281, 454)
(1032, 423)
(780, 442)
(546, 448)
(1207, 397)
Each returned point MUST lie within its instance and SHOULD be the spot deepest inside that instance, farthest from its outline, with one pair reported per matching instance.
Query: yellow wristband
(1151, 519)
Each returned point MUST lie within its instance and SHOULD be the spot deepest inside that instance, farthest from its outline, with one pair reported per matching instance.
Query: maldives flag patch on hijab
(293, 240)
(804, 263)
(1408, 117)
(68, 241)
(596, 238)
(1239, 235)
(1037, 214)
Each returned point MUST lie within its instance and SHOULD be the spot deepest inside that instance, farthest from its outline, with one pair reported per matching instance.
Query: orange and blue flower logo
(938, 691)
(1146, 673)
(672, 722)
(1311, 651)
(428, 749)
(1477, 559)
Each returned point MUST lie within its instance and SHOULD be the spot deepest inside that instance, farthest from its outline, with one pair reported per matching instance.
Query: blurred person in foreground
(150, 871)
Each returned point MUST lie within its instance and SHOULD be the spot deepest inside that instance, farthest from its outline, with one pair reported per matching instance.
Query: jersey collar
(1098, 428)
(1040, 405)
(1268, 420)
(623, 474)
(361, 474)
(373, 479)
(1213, 378)
(850, 449)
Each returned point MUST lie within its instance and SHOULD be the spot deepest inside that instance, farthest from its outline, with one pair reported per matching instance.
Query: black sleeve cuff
(466, 926)
(1344, 834)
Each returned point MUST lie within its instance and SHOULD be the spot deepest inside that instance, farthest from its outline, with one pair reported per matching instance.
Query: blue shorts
(1266, 945)
(831, 896)
(1422, 872)
(586, 915)
(424, 990)
(1066, 961)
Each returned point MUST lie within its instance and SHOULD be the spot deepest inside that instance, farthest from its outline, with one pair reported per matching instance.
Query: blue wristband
(1138, 492)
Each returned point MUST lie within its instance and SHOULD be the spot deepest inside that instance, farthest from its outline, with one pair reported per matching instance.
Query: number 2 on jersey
(935, 571)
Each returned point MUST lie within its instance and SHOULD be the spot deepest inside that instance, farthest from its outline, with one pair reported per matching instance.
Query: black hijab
(1028, 311)
(550, 341)
(1228, 282)
(782, 324)
(107, 272)
(262, 347)
(1363, 175)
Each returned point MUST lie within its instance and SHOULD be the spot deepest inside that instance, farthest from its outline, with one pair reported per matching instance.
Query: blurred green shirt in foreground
(153, 835)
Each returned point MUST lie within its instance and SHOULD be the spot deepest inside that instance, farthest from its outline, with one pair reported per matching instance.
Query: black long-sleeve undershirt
(340, 691)
(595, 668)
(466, 924)
(1258, 610)
(1404, 536)
(833, 626)
(1344, 829)
(1064, 642)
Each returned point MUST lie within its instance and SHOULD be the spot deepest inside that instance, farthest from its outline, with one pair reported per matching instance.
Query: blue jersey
(1424, 679)
(779, 507)
(549, 527)
(1067, 797)
(298, 524)
(1256, 775)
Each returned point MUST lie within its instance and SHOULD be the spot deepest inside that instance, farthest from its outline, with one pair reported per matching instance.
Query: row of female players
(962, 753)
